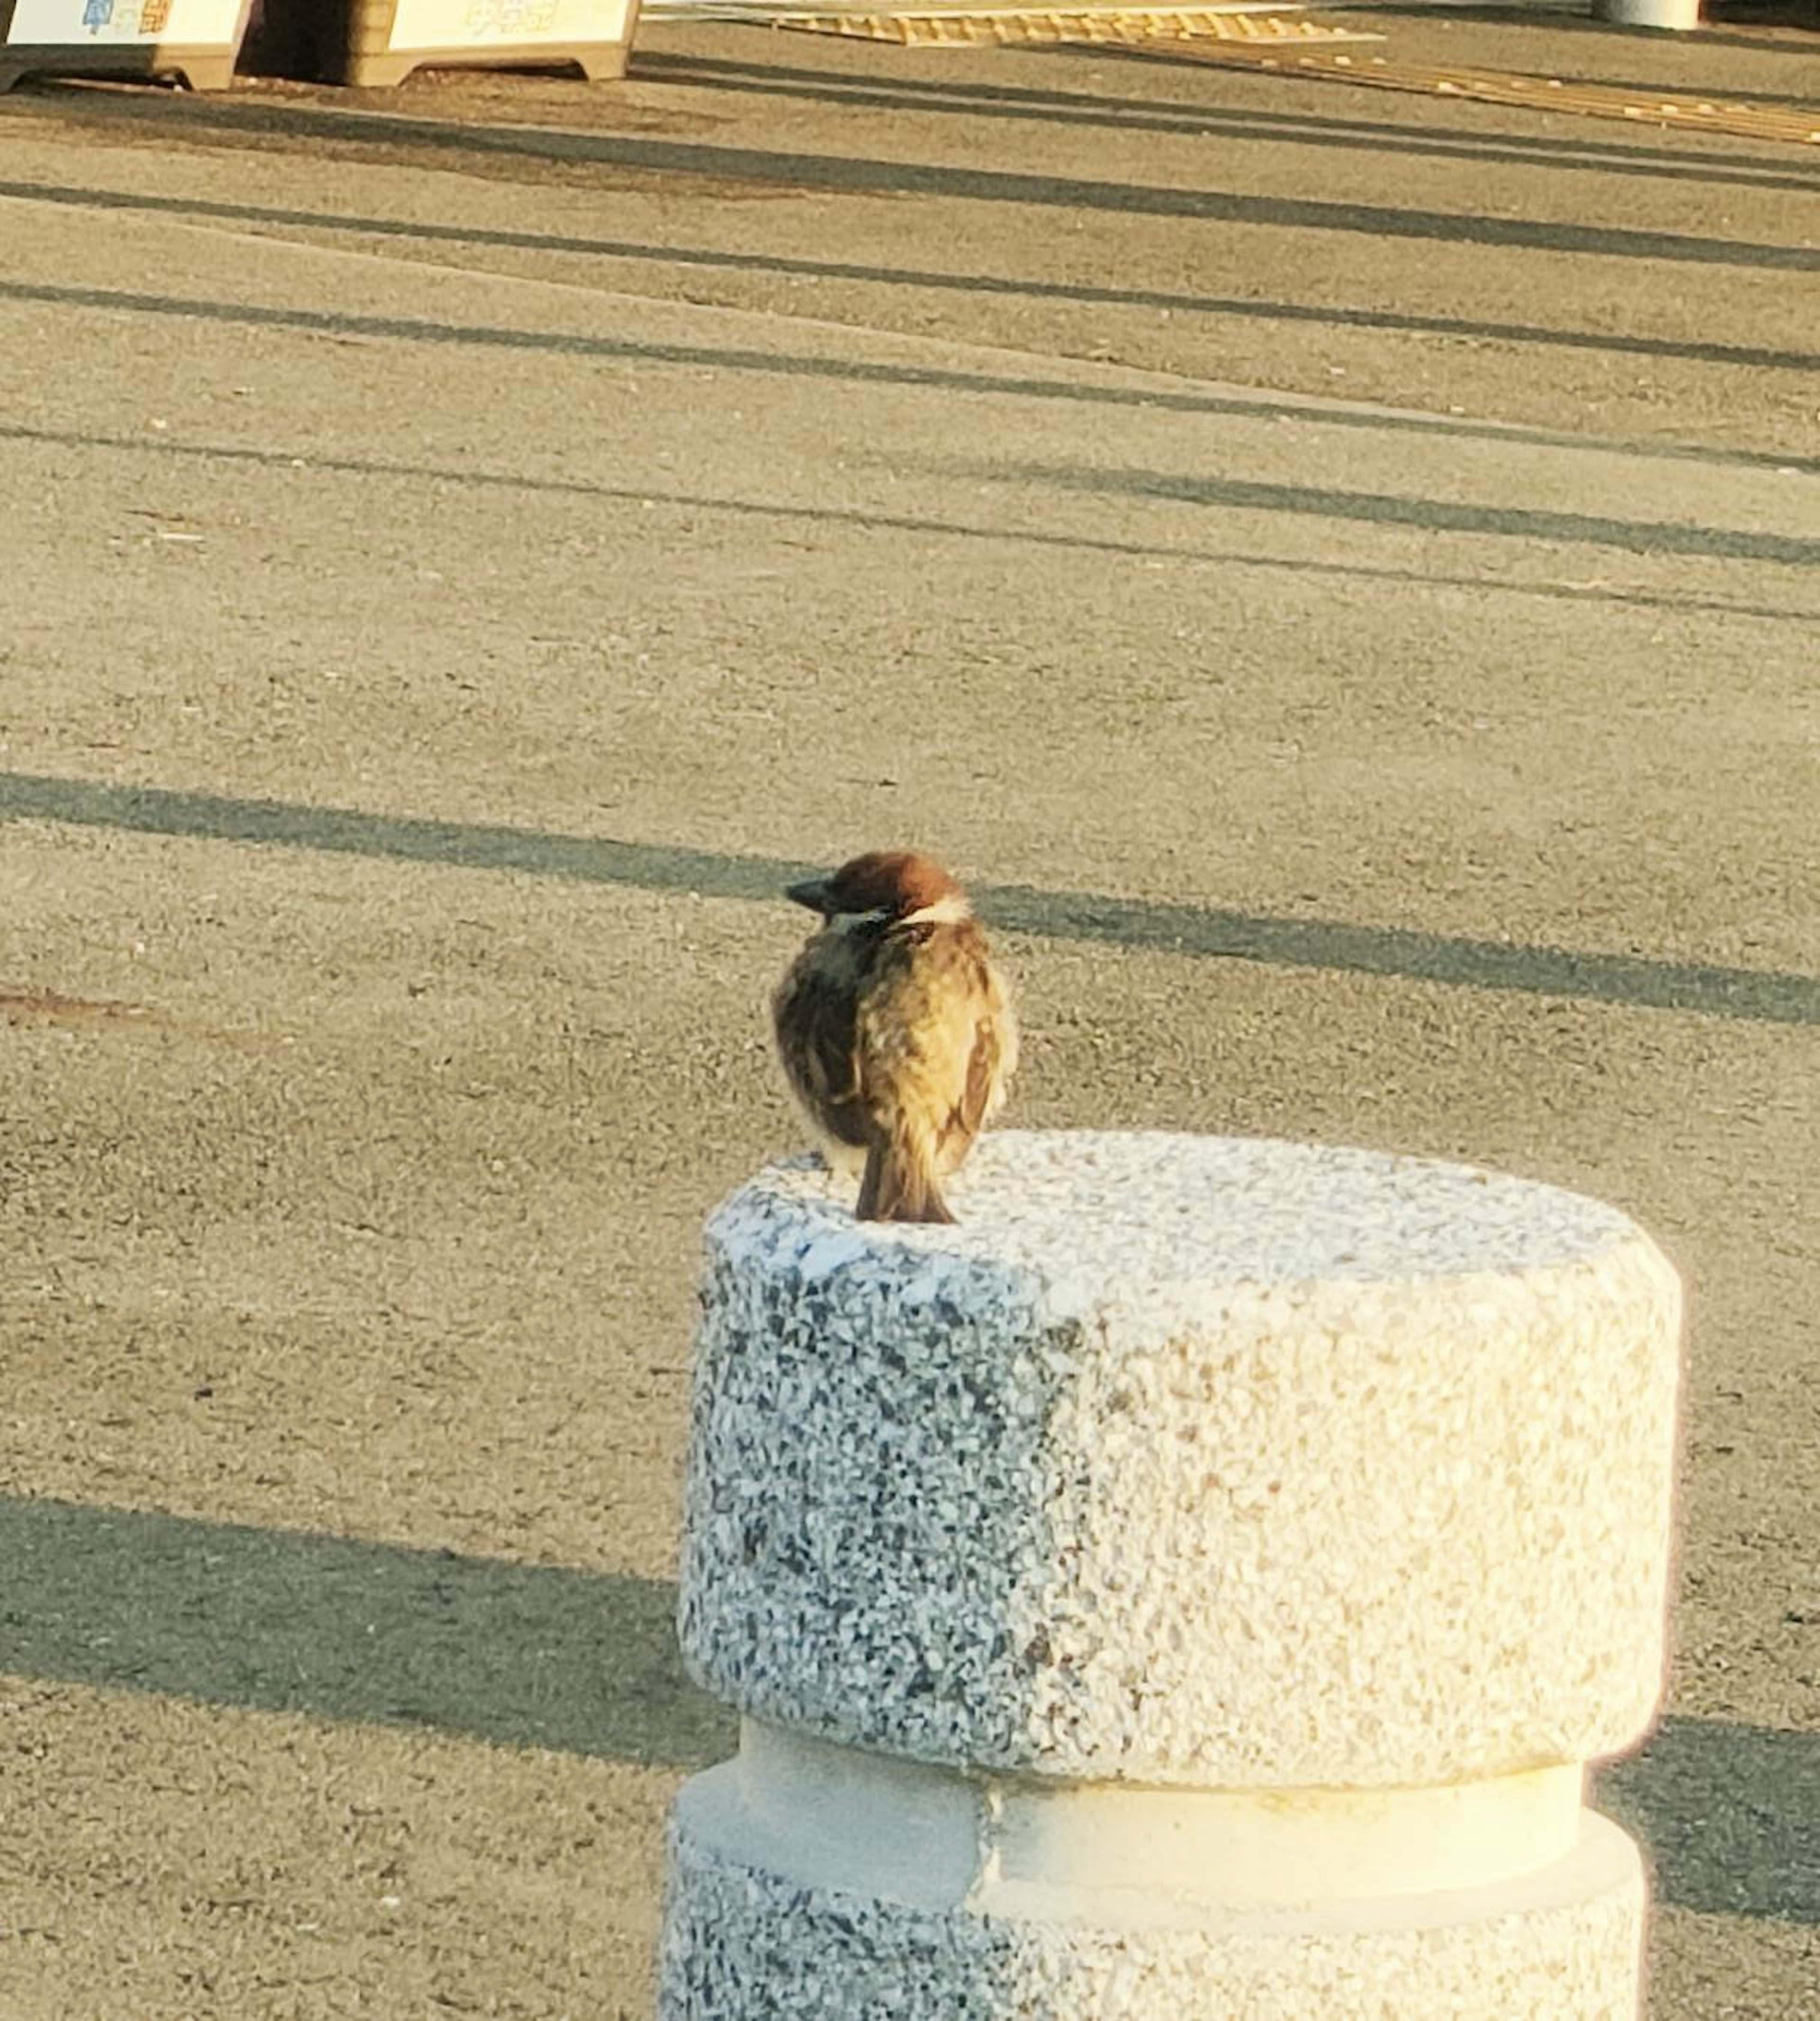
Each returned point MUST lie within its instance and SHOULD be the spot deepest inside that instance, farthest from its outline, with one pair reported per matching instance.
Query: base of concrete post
(1677, 14)
(844, 1883)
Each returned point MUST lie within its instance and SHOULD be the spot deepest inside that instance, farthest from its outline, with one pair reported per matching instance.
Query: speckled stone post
(1190, 1589)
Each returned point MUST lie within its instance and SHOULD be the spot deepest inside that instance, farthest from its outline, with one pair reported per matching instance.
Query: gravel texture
(1213, 1461)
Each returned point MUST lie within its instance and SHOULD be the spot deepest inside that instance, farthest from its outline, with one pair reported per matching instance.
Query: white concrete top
(1092, 1211)
(1190, 1461)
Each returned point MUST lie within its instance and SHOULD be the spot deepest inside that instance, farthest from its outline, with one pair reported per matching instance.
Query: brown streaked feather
(985, 1079)
(813, 1014)
(898, 1040)
(898, 1185)
(934, 1021)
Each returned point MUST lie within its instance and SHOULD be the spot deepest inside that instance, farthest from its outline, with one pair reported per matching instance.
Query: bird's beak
(812, 893)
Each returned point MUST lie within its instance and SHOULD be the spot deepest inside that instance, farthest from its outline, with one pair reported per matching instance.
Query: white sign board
(194, 23)
(455, 24)
(482, 23)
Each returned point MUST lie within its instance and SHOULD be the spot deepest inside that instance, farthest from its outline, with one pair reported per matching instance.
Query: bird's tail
(899, 1183)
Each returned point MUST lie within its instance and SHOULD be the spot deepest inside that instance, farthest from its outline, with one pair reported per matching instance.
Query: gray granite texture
(1186, 1460)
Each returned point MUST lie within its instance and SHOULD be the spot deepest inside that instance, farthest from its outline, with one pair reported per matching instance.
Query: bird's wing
(816, 1039)
(965, 1038)
(986, 1073)
(991, 1058)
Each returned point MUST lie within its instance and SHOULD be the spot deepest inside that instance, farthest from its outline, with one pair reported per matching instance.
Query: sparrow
(894, 1029)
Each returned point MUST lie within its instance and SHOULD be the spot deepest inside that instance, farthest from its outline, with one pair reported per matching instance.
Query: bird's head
(885, 887)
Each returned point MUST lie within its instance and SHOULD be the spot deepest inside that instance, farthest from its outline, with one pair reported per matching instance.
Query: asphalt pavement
(1337, 570)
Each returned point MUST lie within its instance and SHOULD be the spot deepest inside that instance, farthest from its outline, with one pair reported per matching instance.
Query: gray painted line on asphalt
(1760, 996)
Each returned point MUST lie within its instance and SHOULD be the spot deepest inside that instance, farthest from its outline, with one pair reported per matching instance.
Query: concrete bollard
(1191, 1589)
(1680, 15)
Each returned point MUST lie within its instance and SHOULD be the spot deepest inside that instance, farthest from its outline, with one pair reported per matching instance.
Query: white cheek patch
(948, 912)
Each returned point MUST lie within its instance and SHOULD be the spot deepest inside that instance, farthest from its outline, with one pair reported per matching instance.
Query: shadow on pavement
(716, 260)
(1730, 1813)
(1156, 394)
(473, 477)
(1571, 150)
(757, 170)
(1764, 996)
(287, 1621)
(1433, 515)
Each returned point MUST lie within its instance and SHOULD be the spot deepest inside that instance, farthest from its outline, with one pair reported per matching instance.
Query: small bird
(894, 1029)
